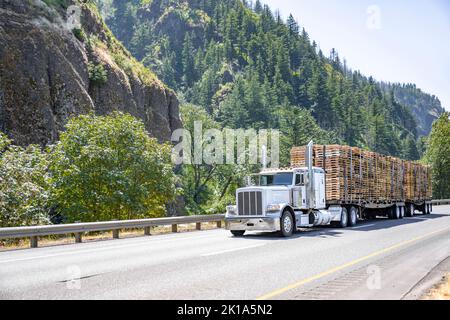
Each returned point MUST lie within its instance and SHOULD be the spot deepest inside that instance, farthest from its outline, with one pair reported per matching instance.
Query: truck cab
(281, 200)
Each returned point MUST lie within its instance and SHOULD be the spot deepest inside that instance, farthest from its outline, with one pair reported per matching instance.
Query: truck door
(320, 189)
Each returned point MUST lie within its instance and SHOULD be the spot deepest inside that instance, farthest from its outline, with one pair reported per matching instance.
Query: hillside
(427, 108)
(50, 72)
(248, 68)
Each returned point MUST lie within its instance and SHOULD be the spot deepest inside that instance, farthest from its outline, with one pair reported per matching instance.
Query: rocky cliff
(51, 70)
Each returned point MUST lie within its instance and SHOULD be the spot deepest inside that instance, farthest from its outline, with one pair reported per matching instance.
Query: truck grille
(250, 203)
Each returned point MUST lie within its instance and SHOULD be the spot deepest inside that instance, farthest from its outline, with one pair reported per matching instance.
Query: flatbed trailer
(370, 181)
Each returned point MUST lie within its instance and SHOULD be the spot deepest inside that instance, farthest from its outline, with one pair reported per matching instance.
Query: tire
(352, 216)
(424, 209)
(394, 213)
(343, 223)
(287, 224)
(428, 209)
(237, 233)
(408, 212)
(390, 213)
(402, 212)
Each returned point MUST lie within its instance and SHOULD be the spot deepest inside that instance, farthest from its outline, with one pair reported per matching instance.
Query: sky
(406, 41)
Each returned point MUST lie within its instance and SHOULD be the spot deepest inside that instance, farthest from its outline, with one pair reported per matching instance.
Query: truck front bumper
(268, 224)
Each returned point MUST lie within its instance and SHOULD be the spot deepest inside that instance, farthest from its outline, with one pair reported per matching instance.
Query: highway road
(382, 259)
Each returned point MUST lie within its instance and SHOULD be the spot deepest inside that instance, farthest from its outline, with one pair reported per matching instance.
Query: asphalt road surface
(382, 259)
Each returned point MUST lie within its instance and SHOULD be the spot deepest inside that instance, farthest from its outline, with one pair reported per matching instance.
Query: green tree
(438, 156)
(24, 187)
(107, 167)
(207, 188)
(188, 60)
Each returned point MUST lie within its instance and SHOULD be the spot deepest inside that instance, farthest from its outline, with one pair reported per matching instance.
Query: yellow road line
(344, 266)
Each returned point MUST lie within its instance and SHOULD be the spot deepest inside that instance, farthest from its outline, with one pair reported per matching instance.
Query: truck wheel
(412, 209)
(287, 224)
(343, 223)
(396, 212)
(237, 233)
(402, 212)
(353, 217)
(408, 212)
(424, 209)
(390, 213)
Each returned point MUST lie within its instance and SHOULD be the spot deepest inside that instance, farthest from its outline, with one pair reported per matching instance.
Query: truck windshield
(279, 179)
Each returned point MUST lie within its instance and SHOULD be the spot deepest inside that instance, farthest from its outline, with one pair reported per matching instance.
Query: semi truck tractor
(329, 185)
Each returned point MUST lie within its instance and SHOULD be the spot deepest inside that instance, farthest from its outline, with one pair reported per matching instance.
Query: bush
(97, 73)
(79, 34)
(108, 168)
(24, 188)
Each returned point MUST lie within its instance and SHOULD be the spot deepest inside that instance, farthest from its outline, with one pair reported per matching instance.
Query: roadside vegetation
(439, 292)
(438, 155)
(102, 168)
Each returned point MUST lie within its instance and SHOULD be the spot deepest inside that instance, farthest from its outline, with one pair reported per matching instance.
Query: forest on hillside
(233, 64)
(240, 65)
(247, 67)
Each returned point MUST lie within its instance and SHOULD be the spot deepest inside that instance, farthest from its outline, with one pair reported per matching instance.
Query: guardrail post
(34, 242)
(116, 234)
(147, 231)
(78, 237)
(198, 226)
(219, 224)
(174, 228)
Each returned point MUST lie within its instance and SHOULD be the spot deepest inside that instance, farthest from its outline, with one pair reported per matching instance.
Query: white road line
(232, 250)
(100, 249)
(364, 226)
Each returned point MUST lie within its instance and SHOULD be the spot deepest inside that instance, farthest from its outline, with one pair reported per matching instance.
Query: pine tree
(188, 61)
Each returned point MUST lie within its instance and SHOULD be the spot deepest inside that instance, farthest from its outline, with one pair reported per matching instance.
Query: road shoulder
(432, 279)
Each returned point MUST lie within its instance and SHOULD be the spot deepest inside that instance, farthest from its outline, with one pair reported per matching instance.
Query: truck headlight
(273, 208)
(231, 210)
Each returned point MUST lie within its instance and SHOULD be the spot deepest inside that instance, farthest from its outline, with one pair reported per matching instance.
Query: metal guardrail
(78, 229)
(440, 202)
(115, 226)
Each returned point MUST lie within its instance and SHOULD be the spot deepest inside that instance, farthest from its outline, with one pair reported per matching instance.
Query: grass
(441, 291)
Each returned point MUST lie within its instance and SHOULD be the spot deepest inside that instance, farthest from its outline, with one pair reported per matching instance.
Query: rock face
(44, 74)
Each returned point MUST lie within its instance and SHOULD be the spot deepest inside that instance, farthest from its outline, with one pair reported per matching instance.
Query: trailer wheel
(402, 212)
(353, 216)
(237, 233)
(411, 209)
(408, 211)
(397, 214)
(394, 213)
(287, 224)
(424, 209)
(343, 223)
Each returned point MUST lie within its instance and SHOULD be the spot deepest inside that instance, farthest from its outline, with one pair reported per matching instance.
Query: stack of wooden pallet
(357, 176)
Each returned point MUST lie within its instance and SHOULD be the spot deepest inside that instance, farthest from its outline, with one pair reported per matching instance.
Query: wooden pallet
(356, 175)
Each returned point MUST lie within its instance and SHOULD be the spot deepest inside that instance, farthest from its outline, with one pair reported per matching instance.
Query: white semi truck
(283, 200)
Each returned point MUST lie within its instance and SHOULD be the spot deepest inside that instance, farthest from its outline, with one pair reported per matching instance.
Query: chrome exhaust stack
(310, 192)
